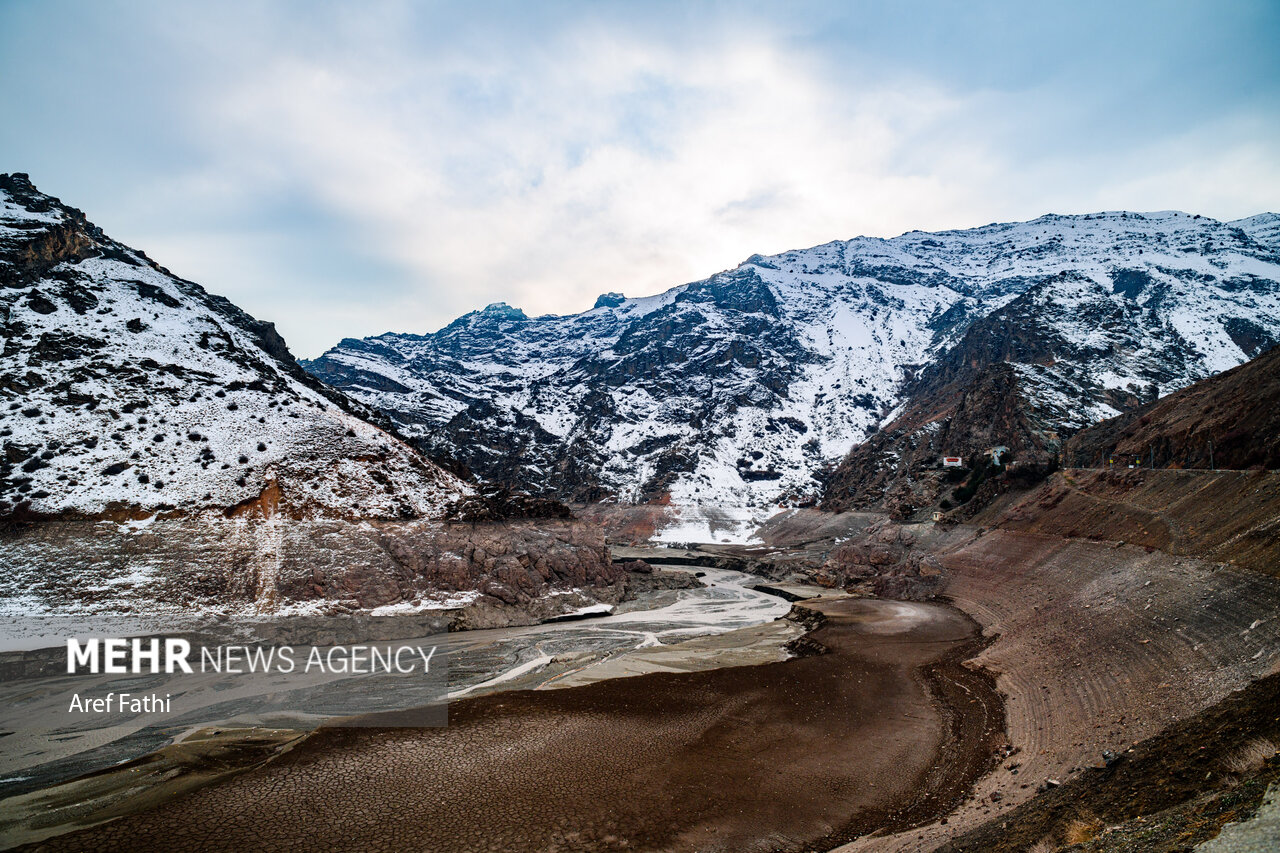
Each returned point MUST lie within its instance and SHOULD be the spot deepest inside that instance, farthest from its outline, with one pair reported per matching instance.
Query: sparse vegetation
(1250, 757)
(1082, 830)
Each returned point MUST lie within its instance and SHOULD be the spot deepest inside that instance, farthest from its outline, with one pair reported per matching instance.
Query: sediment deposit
(795, 755)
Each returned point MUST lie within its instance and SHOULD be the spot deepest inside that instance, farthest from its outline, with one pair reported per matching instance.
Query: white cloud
(544, 171)
(548, 176)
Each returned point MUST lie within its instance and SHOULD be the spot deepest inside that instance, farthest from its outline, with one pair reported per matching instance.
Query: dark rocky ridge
(898, 466)
(1229, 421)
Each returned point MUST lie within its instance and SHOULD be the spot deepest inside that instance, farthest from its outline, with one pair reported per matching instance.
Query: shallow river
(478, 662)
(482, 659)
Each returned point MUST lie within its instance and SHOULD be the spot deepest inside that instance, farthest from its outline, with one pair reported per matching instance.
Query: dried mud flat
(886, 729)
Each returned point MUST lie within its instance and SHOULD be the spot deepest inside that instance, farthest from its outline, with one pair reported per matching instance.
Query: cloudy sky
(350, 169)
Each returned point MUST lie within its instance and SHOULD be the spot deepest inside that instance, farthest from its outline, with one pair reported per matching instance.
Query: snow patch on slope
(125, 387)
(727, 394)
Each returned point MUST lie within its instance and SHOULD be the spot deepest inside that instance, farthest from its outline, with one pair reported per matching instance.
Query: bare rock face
(898, 468)
(643, 579)
(882, 561)
(184, 572)
(918, 578)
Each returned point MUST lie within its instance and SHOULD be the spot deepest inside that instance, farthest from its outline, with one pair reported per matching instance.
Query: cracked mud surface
(795, 755)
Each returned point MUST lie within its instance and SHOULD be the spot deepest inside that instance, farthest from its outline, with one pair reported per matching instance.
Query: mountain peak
(504, 311)
(1263, 227)
(734, 390)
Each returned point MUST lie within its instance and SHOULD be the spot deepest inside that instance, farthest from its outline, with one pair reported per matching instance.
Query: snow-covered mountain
(124, 389)
(734, 390)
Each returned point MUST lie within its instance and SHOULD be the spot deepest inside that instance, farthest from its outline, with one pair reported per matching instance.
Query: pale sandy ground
(746, 646)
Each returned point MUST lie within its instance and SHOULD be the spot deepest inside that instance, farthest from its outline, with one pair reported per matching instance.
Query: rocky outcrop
(644, 578)
(883, 561)
(513, 562)
(184, 572)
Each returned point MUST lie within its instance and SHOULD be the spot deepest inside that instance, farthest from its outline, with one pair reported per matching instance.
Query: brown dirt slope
(1222, 516)
(1167, 793)
(1097, 646)
(1237, 411)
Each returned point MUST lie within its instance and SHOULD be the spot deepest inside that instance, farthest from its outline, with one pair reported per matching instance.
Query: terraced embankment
(888, 728)
(1097, 646)
(1223, 516)
(1168, 794)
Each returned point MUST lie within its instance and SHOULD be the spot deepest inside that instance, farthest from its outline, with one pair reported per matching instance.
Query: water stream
(478, 661)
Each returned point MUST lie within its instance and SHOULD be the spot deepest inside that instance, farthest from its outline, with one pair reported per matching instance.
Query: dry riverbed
(884, 730)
